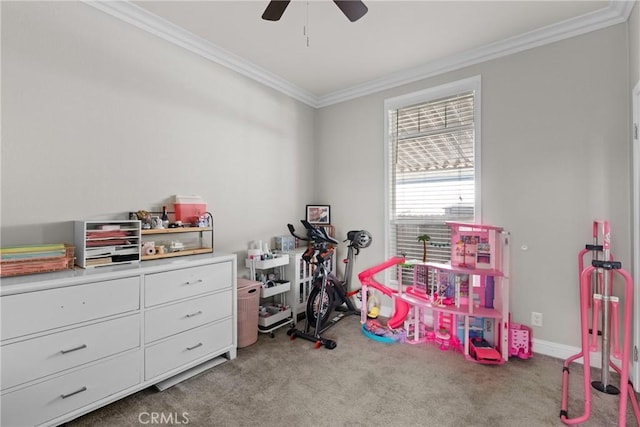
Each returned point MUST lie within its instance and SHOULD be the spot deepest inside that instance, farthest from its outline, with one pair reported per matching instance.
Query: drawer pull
(194, 283)
(194, 314)
(64, 396)
(195, 346)
(80, 347)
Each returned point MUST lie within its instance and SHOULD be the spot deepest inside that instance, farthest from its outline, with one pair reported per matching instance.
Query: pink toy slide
(401, 308)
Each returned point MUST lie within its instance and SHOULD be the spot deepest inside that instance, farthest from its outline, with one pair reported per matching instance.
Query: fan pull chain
(306, 24)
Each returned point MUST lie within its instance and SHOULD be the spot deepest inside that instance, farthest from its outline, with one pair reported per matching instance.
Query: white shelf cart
(274, 310)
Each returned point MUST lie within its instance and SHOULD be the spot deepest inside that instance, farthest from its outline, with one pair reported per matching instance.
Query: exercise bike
(328, 293)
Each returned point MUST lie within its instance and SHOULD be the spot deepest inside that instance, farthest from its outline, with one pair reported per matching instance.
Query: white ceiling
(395, 42)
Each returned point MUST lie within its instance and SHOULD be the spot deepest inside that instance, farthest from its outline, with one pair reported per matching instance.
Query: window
(432, 168)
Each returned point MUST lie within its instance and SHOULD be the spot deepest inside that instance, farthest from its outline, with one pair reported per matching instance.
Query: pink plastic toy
(520, 337)
(445, 337)
(401, 308)
(601, 269)
(415, 328)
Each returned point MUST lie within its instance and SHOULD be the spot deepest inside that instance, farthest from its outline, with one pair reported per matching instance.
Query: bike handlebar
(314, 234)
(292, 230)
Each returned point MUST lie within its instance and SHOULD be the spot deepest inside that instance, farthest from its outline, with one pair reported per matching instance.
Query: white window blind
(431, 155)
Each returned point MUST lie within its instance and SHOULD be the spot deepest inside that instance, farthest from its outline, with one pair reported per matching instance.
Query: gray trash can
(248, 309)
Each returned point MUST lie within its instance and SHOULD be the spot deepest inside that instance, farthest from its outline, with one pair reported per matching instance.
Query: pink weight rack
(597, 300)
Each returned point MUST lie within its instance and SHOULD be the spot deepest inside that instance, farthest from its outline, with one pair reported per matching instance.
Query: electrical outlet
(536, 318)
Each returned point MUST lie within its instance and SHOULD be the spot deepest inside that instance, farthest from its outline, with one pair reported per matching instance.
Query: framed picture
(319, 214)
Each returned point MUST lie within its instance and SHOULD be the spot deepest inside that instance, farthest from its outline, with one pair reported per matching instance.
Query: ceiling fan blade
(352, 9)
(275, 9)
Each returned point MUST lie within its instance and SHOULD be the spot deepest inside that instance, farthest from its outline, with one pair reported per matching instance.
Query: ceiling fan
(352, 9)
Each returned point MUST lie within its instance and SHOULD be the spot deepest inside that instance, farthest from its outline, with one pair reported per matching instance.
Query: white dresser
(74, 341)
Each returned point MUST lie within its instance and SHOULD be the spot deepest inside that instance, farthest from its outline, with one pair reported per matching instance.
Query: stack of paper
(32, 252)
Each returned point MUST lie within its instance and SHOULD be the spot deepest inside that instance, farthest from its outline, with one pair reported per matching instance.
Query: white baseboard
(559, 351)
(386, 311)
(563, 352)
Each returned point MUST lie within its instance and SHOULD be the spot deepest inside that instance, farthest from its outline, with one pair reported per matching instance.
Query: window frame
(424, 96)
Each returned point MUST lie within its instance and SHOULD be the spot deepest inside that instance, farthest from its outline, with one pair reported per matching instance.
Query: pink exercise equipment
(596, 285)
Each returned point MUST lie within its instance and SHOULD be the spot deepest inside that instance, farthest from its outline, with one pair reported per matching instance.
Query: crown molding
(147, 21)
(616, 12)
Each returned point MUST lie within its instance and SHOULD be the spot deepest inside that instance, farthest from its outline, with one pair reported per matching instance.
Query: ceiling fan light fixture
(275, 9)
(352, 9)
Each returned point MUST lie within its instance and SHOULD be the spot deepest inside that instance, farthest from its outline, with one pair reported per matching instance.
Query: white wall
(634, 44)
(100, 118)
(555, 153)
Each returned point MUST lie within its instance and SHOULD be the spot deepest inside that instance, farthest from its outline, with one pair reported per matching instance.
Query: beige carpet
(279, 382)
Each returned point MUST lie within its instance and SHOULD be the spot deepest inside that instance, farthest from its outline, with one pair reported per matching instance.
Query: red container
(189, 208)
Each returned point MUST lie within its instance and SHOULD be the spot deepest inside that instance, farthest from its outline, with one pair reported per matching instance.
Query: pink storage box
(248, 309)
(520, 341)
(189, 208)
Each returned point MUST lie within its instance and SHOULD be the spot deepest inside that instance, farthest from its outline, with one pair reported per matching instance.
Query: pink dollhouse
(468, 297)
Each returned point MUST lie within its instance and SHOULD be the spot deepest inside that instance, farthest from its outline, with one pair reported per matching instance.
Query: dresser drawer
(50, 399)
(165, 321)
(38, 357)
(31, 312)
(187, 347)
(187, 282)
